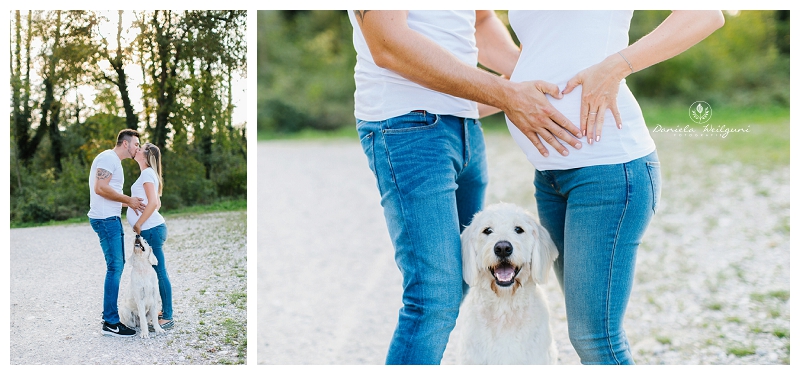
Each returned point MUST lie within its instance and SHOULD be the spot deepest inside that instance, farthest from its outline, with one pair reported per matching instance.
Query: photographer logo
(700, 112)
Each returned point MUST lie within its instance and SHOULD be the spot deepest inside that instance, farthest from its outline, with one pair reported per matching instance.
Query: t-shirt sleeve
(149, 175)
(107, 163)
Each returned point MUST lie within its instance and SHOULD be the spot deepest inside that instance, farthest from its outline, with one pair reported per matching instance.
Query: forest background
(79, 77)
(306, 60)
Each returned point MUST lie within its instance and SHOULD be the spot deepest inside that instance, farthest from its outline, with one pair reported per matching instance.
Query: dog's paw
(159, 330)
(144, 334)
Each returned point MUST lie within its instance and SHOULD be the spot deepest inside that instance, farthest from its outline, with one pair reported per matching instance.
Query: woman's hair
(153, 157)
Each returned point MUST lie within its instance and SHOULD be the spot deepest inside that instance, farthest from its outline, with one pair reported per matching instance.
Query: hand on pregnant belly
(531, 112)
(600, 86)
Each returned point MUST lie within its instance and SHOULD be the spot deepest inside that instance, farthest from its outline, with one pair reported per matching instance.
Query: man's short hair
(125, 135)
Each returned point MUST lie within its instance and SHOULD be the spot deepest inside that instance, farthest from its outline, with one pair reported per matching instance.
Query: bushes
(306, 61)
(305, 70)
(38, 197)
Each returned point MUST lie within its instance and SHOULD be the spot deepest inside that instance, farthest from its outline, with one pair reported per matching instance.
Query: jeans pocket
(413, 122)
(163, 233)
(654, 169)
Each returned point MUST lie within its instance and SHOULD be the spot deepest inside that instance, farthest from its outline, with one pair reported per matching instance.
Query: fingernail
(590, 141)
(619, 126)
(565, 153)
(578, 146)
(584, 133)
(546, 154)
(598, 138)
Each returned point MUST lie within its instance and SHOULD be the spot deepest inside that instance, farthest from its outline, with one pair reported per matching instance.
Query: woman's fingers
(601, 116)
(590, 126)
(572, 84)
(615, 112)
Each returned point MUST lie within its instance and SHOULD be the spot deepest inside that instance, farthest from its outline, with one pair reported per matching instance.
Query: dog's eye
(488, 231)
(519, 230)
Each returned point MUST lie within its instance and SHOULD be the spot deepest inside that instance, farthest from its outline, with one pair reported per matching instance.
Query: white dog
(505, 255)
(143, 300)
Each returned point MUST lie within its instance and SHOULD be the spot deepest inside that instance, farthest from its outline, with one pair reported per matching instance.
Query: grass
(781, 333)
(742, 351)
(664, 340)
(220, 206)
(781, 295)
(765, 144)
(236, 335)
(716, 306)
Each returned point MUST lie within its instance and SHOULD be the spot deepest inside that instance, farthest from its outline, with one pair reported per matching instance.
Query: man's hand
(103, 189)
(394, 46)
(531, 112)
(136, 204)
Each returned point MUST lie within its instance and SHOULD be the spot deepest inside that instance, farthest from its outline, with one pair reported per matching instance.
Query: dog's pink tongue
(504, 273)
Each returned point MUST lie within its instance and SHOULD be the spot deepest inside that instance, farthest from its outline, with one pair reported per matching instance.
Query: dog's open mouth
(504, 273)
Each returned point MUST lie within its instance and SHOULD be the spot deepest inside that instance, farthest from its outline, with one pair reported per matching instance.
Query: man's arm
(102, 188)
(396, 47)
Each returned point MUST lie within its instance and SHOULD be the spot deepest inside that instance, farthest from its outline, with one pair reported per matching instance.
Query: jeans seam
(400, 198)
(613, 253)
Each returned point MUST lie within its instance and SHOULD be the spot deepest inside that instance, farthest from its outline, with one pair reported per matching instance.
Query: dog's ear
(544, 253)
(469, 267)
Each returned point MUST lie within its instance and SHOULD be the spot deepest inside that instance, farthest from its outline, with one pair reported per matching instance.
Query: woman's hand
(681, 30)
(600, 88)
(137, 228)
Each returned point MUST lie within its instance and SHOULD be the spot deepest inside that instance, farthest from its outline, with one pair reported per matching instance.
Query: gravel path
(712, 279)
(57, 275)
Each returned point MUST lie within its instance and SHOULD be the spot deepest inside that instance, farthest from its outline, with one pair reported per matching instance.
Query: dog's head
(504, 247)
(143, 250)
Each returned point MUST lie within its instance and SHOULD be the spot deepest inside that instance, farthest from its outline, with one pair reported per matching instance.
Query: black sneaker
(119, 330)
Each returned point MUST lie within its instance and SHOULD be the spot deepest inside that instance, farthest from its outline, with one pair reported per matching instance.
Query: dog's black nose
(503, 249)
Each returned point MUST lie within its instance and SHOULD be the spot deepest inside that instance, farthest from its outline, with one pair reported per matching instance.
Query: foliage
(306, 61)
(741, 64)
(187, 60)
(305, 72)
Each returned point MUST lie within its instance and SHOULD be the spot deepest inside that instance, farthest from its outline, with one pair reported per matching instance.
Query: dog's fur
(505, 255)
(143, 300)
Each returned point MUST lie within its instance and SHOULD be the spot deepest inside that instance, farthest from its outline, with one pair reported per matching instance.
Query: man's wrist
(506, 93)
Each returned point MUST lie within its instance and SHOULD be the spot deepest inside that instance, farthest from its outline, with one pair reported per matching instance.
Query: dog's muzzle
(504, 272)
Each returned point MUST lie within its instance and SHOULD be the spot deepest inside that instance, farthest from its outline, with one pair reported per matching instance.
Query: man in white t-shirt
(417, 84)
(106, 200)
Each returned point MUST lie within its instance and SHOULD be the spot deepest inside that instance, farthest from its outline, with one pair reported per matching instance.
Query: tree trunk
(131, 120)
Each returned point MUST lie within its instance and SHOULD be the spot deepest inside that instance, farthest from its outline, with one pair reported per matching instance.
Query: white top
(137, 190)
(556, 45)
(99, 207)
(382, 94)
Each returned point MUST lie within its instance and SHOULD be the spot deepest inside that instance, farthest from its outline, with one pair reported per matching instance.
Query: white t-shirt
(137, 190)
(99, 207)
(556, 45)
(382, 94)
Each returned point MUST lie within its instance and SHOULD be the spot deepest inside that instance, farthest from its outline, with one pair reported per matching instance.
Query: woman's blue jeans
(597, 216)
(431, 174)
(156, 236)
(112, 241)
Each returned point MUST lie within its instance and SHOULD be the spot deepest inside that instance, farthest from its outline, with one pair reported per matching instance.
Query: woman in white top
(150, 224)
(598, 200)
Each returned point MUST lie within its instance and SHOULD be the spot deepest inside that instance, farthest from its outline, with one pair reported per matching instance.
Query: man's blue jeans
(597, 216)
(156, 236)
(431, 174)
(112, 241)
